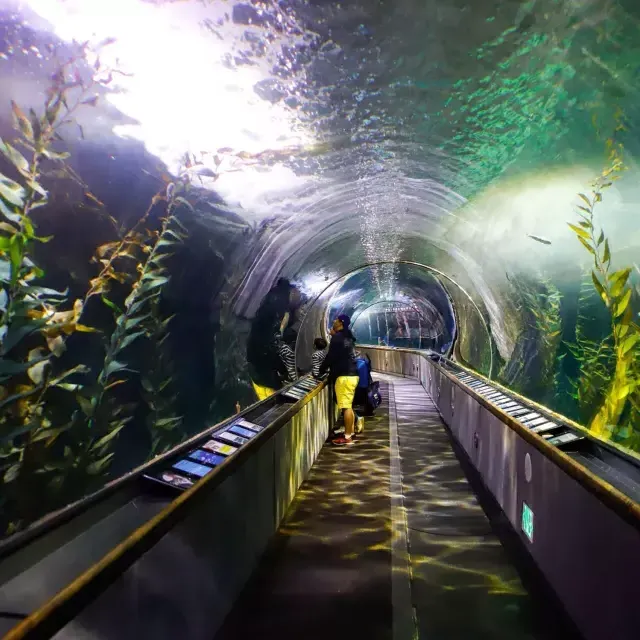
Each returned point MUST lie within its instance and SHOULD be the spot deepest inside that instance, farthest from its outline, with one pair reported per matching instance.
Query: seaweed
(533, 366)
(59, 424)
(158, 381)
(611, 368)
(35, 320)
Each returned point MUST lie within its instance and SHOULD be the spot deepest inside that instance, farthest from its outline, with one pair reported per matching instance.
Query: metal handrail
(623, 505)
(67, 603)
(52, 520)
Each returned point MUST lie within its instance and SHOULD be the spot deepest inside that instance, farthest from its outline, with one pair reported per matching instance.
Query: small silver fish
(199, 170)
(539, 239)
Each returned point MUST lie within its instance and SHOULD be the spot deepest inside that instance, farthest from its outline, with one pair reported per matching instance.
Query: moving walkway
(387, 533)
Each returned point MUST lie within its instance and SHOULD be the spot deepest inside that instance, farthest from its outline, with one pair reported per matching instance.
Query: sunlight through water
(181, 90)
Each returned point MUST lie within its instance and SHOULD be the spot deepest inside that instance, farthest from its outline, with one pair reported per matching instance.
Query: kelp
(59, 424)
(34, 321)
(619, 351)
(533, 366)
(158, 381)
(592, 351)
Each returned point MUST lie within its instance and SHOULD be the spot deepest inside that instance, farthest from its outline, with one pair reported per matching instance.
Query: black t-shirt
(341, 357)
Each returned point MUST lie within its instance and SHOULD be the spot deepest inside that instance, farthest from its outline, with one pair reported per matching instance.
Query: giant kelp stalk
(592, 350)
(32, 319)
(532, 367)
(58, 430)
(139, 318)
(616, 293)
(158, 381)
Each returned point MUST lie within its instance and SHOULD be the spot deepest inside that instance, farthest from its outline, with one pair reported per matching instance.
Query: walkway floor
(339, 570)
(463, 586)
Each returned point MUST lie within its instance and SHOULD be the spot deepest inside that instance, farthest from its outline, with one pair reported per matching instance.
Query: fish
(201, 171)
(539, 239)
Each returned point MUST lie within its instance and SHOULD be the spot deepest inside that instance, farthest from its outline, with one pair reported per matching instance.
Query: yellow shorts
(262, 392)
(345, 391)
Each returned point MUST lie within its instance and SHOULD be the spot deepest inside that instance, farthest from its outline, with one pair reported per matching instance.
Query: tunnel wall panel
(588, 554)
(186, 584)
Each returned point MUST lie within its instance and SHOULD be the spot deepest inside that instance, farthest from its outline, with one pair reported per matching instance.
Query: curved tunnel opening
(399, 323)
(416, 309)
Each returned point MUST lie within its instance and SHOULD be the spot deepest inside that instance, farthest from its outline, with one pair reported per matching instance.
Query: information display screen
(212, 459)
(564, 438)
(232, 438)
(536, 422)
(241, 431)
(547, 426)
(249, 425)
(218, 447)
(176, 480)
(192, 468)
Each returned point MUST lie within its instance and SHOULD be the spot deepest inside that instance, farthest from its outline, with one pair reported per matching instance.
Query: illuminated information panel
(184, 471)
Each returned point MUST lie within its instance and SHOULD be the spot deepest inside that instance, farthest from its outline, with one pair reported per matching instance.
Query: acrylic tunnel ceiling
(329, 135)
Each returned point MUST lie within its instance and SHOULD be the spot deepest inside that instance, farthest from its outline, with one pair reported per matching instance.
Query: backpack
(374, 398)
(364, 374)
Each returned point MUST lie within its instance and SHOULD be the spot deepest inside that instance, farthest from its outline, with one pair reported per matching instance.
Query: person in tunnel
(318, 356)
(266, 368)
(343, 371)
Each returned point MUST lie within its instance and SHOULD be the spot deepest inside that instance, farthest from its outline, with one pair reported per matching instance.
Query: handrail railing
(630, 456)
(61, 516)
(71, 600)
(615, 499)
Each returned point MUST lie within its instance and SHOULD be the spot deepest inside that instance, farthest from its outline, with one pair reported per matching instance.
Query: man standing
(341, 363)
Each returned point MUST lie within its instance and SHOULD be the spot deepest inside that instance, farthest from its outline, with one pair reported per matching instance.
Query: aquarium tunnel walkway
(462, 511)
(386, 539)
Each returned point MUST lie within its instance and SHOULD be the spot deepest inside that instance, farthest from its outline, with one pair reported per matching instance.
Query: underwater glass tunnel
(456, 176)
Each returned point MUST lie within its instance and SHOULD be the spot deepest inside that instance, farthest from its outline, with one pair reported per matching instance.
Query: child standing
(318, 355)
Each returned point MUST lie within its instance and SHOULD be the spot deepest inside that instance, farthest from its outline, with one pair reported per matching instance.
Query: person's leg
(345, 390)
(349, 421)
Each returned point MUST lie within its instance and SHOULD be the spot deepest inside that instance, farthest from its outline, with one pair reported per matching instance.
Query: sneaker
(342, 441)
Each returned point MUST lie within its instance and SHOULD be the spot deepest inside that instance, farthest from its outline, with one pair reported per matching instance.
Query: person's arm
(290, 362)
(315, 364)
(329, 359)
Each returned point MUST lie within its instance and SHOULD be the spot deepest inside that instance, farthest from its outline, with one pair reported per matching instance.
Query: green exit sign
(527, 521)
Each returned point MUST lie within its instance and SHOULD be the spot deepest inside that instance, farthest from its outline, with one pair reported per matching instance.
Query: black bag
(374, 398)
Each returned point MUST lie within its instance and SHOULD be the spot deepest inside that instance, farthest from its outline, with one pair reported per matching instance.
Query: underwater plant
(613, 288)
(532, 368)
(593, 352)
(59, 423)
(139, 318)
(33, 319)
(158, 381)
